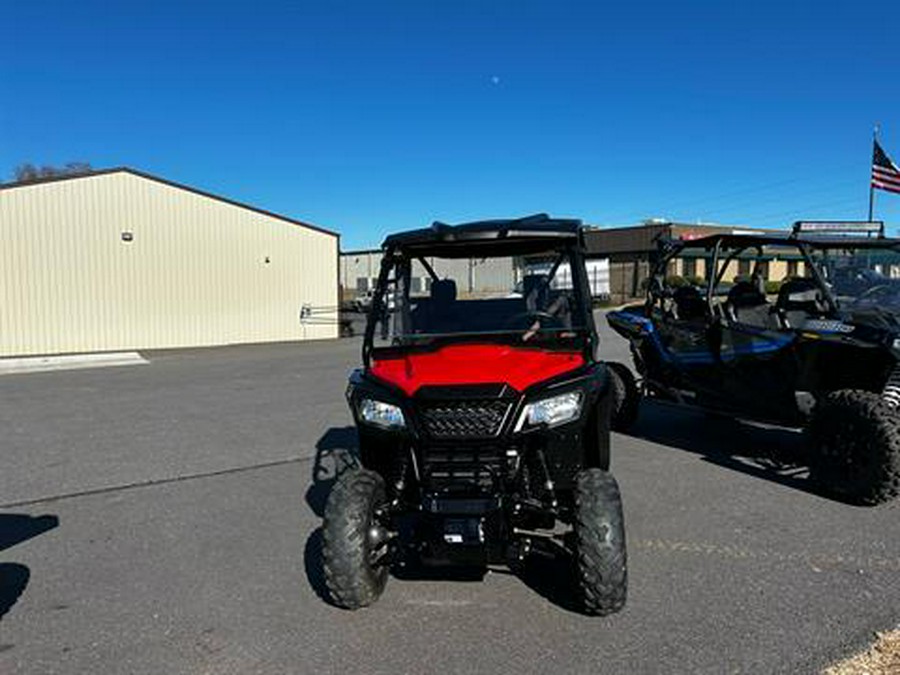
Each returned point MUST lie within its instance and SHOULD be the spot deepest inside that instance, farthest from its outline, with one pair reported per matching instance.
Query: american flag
(885, 174)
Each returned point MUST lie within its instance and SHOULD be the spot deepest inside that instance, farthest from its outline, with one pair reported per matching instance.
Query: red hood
(475, 364)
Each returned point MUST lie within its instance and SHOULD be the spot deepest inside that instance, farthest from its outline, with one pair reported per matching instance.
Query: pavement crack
(151, 482)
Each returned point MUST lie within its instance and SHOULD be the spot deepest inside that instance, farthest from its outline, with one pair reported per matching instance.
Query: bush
(677, 281)
(697, 281)
(772, 287)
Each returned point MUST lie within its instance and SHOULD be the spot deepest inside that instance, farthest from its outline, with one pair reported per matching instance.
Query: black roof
(819, 241)
(512, 236)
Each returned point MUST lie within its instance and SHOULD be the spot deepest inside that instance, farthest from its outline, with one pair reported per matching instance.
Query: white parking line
(37, 364)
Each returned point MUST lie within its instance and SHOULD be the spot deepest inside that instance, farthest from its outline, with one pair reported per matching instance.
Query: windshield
(525, 298)
(861, 278)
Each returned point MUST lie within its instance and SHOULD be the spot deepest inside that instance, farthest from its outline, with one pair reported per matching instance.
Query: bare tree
(26, 171)
(74, 168)
(29, 171)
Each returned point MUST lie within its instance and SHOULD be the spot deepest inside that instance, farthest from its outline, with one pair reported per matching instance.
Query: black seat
(444, 317)
(747, 304)
(689, 303)
(799, 299)
(438, 314)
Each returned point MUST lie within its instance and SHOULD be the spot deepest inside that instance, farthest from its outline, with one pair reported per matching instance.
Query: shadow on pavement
(14, 529)
(336, 451)
(773, 454)
(554, 578)
(413, 571)
(13, 580)
(312, 564)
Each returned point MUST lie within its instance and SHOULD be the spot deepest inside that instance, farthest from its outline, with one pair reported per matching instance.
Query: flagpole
(871, 199)
(872, 187)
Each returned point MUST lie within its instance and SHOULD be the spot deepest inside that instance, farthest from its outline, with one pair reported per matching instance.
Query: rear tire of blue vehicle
(352, 579)
(855, 451)
(626, 397)
(600, 556)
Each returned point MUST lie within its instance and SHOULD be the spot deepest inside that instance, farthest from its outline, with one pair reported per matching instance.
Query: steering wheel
(528, 318)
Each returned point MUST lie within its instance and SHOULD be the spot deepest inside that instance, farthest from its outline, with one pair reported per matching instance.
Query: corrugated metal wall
(197, 272)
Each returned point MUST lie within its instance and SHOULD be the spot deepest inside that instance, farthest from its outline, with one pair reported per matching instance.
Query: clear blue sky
(367, 117)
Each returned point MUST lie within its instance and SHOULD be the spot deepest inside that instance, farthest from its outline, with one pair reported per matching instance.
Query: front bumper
(469, 441)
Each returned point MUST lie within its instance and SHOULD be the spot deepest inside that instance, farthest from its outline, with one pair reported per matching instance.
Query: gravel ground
(882, 658)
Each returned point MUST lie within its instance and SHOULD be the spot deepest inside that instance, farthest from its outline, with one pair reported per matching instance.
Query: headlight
(381, 414)
(551, 411)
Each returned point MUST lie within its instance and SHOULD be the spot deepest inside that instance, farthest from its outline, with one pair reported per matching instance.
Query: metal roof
(141, 174)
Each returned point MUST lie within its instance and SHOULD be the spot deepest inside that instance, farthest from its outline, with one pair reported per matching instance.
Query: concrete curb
(38, 364)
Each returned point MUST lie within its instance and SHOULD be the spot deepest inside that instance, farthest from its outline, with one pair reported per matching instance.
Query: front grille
(463, 418)
(454, 469)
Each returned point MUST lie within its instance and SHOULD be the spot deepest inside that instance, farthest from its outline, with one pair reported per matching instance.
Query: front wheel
(600, 543)
(354, 546)
(855, 451)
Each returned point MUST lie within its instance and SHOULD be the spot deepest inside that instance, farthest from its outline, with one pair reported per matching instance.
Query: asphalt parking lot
(164, 519)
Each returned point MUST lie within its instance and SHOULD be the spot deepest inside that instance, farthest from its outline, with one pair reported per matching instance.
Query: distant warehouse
(477, 276)
(120, 259)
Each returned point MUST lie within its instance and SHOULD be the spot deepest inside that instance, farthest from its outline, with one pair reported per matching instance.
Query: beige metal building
(120, 259)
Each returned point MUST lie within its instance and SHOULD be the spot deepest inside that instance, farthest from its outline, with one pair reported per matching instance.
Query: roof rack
(538, 226)
(832, 227)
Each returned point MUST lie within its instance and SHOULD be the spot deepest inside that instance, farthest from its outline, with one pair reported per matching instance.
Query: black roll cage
(563, 246)
(669, 249)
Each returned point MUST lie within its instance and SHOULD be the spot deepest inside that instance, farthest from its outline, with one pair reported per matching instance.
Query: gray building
(359, 272)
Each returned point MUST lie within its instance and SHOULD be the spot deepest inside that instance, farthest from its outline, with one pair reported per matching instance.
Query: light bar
(840, 227)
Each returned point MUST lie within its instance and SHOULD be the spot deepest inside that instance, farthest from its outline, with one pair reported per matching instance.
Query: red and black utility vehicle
(483, 415)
